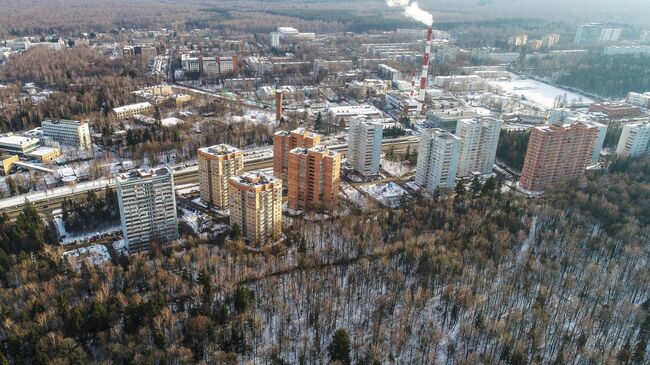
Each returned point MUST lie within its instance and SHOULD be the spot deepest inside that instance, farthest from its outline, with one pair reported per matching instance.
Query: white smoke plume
(412, 10)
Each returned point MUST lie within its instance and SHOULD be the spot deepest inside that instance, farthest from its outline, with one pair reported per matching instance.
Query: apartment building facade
(364, 145)
(217, 164)
(256, 207)
(313, 178)
(147, 208)
(557, 153)
(480, 139)
(438, 158)
(285, 141)
(634, 140)
(70, 133)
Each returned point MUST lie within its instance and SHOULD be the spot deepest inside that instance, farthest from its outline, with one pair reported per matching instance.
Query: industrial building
(256, 207)
(364, 145)
(480, 139)
(314, 177)
(438, 157)
(557, 153)
(147, 208)
(217, 164)
(69, 133)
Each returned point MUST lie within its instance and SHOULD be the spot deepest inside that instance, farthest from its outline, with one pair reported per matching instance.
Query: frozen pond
(538, 92)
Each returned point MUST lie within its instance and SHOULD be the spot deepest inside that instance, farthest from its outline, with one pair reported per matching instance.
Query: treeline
(83, 80)
(479, 277)
(92, 213)
(606, 76)
(512, 148)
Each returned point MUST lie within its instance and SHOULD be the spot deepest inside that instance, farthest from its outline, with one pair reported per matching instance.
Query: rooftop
(17, 140)
(129, 107)
(219, 150)
(63, 121)
(254, 179)
(138, 174)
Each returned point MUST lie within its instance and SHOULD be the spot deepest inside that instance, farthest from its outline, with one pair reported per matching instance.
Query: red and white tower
(425, 65)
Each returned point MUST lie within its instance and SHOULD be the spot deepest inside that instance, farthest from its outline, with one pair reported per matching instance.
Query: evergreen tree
(318, 124)
(475, 187)
(339, 348)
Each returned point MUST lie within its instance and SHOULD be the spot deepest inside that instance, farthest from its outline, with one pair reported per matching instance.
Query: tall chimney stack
(278, 105)
(413, 78)
(425, 65)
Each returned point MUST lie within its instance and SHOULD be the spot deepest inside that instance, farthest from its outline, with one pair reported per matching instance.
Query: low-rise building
(128, 111)
(637, 99)
(45, 154)
(19, 145)
(7, 162)
(615, 110)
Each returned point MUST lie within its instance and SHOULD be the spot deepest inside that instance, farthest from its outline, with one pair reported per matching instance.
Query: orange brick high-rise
(313, 178)
(284, 141)
(556, 154)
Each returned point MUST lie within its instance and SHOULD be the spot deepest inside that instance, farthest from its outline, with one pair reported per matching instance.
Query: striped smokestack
(425, 65)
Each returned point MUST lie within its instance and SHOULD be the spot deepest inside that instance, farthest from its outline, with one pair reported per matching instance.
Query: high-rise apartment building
(147, 207)
(217, 164)
(313, 179)
(557, 153)
(70, 133)
(480, 139)
(364, 145)
(634, 140)
(284, 141)
(256, 207)
(438, 158)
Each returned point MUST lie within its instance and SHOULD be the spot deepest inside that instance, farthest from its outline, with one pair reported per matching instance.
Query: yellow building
(7, 161)
(217, 164)
(183, 100)
(45, 154)
(256, 207)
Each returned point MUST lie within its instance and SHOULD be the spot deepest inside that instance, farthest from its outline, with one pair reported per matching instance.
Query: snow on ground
(95, 254)
(388, 194)
(396, 168)
(172, 121)
(84, 237)
(120, 246)
(538, 92)
(187, 189)
(192, 219)
(355, 196)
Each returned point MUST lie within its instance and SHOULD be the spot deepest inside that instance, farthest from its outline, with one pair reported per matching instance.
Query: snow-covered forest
(481, 277)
